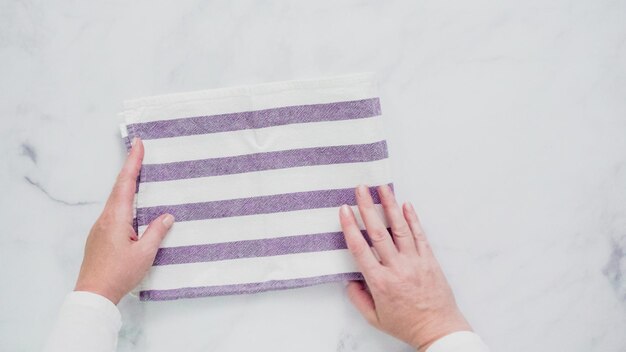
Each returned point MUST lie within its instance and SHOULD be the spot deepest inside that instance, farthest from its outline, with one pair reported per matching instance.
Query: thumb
(363, 301)
(156, 231)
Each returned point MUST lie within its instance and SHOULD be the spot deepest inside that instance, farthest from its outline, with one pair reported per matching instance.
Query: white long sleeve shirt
(90, 322)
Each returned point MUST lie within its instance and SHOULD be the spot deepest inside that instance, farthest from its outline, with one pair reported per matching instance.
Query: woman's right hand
(406, 293)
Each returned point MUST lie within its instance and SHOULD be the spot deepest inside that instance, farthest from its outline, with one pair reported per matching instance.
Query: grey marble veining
(506, 124)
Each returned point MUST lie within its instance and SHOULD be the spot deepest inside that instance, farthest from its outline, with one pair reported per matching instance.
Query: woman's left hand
(115, 259)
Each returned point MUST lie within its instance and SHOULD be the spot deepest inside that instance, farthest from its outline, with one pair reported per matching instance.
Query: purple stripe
(255, 205)
(264, 161)
(253, 248)
(127, 143)
(346, 110)
(207, 291)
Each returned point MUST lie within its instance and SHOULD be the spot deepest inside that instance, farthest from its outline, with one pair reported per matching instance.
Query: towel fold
(255, 176)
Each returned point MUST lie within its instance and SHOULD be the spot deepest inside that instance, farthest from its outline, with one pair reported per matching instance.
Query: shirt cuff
(86, 322)
(94, 302)
(460, 341)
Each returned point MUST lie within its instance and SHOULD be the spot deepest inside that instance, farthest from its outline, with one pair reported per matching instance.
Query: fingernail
(134, 141)
(362, 190)
(410, 206)
(345, 210)
(168, 220)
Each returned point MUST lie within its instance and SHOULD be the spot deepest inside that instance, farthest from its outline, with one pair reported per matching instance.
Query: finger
(423, 248)
(122, 197)
(156, 231)
(376, 230)
(399, 228)
(362, 300)
(358, 246)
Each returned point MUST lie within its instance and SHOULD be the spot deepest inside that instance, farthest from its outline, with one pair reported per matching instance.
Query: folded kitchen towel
(255, 177)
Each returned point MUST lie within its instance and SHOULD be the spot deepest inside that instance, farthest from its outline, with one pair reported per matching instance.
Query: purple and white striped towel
(255, 176)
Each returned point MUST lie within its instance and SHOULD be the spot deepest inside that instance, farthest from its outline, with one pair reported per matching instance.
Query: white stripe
(262, 183)
(249, 270)
(260, 140)
(258, 226)
(249, 98)
(123, 130)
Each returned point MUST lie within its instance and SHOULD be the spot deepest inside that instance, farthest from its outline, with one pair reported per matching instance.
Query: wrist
(429, 333)
(102, 291)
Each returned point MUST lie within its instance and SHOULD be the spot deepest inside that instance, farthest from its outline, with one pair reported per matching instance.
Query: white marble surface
(506, 124)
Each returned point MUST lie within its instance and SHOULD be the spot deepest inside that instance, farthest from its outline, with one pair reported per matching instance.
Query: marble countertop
(506, 124)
